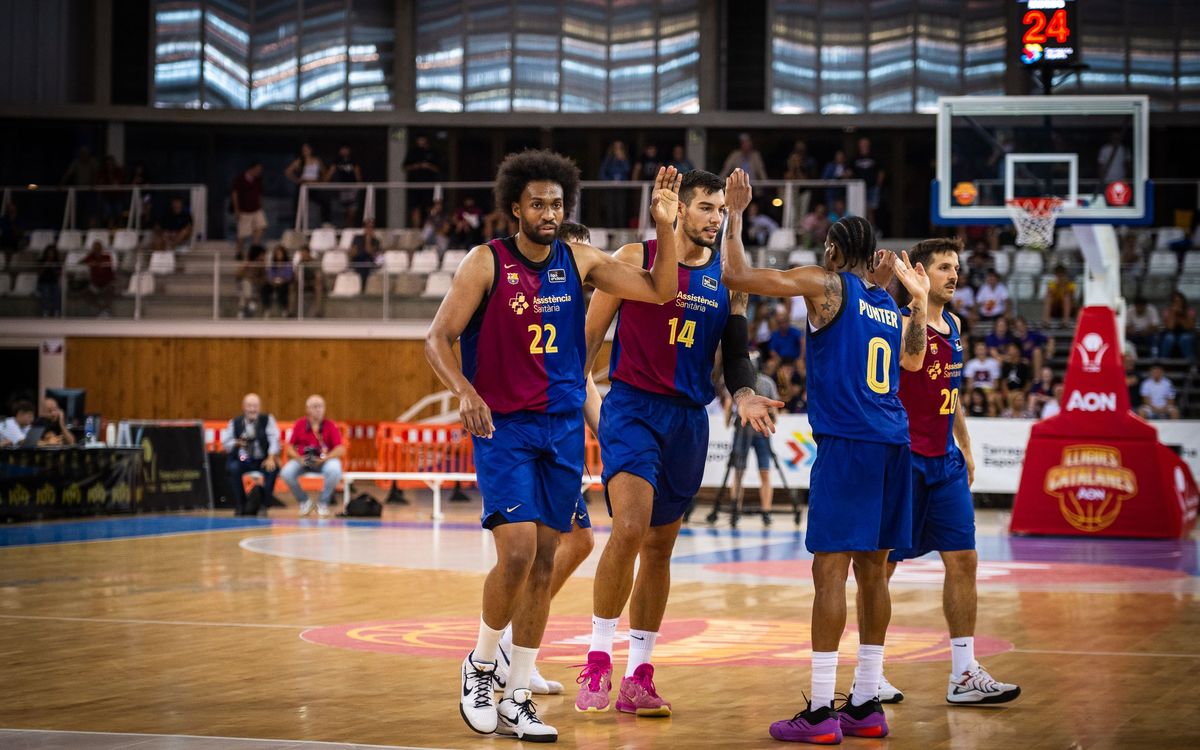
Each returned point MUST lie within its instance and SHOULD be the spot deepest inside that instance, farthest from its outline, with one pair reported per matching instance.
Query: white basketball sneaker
(477, 703)
(324, 511)
(537, 683)
(976, 686)
(307, 507)
(888, 693)
(518, 717)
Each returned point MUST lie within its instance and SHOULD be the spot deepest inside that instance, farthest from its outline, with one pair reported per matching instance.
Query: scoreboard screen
(1046, 32)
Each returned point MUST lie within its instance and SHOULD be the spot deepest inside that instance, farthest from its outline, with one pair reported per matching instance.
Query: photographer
(251, 441)
(316, 447)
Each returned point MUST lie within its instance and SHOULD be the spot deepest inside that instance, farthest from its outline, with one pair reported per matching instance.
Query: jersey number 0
(879, 363)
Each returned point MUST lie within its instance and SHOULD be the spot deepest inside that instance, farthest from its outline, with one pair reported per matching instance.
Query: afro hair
(518, 170)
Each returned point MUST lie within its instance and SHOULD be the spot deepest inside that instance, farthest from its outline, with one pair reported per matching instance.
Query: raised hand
(914, 278)
(756, 411)
(738, 193)
(881, 274)
(664, 205)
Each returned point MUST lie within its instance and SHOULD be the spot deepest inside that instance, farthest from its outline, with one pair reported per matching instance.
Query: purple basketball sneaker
(867, 720)
(817, 727)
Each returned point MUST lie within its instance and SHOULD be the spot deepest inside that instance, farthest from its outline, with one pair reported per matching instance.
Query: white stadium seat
(1191, 262)
(346, 240)
(70, 239)
(322, 240)
(452, 258)
(781, 239)
(162, 262)
(140, 282)
(5, 284)
(802, 258)
(395, 261)
(425, 261)
(347, 284)
(40, 239)
(437, 284)
(600, 239)
(1167, 235)
(334, 262)
(24, 285)
(97, 235)
(125, 240)
(1001, 261)
(1162, 264)
(1029, 262)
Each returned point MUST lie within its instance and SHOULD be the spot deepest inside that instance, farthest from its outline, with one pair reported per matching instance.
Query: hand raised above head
(664, 205)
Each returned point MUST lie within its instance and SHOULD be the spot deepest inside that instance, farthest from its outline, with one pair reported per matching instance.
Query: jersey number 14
(686, 334)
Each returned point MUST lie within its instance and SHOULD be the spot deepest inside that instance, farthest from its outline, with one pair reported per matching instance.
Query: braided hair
(856, 238)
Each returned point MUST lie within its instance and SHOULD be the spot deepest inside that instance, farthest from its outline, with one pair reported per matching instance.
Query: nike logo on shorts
(510, 510)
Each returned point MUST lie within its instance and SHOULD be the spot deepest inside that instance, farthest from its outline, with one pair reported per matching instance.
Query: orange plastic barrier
(359, 438)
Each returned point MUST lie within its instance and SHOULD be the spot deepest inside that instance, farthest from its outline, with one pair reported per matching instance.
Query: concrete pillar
(114, 141)
(697, 145)
(396, 200)
(102, 21)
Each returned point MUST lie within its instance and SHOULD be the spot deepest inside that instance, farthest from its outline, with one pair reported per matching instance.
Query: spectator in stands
(1053, 406)
(982, 258)
(838, 210)
(815, 226)
(499, 223)
(14, 429)
(978, 404)
(1132, 381)
(112, 202)
(983, 370)
(49, 282)
(316, 447)
(615, 167)
(345, 169)
(305, 169)
(438, 227)
(83, 172)
(102, 278)
(1035, 346)
(680, 161)
(251, 441)
(787, 341)
(366, 253)
(758, 226)
(246, 204)
(648, 164)
(281, 278)
(867, 170)
(468, 224)
(1015, 374)
(174, 231)
(992, 300)
(980, 237)
(1142, 324)
(1018, 407)
(998, 340)
(1042, 389)
(964, 296)
(54, 422)
(1158, 396)
(799, 165)
(421, 165)
(312, 284)
(790, 384)
(252, 279)
(1179, 326)
(747, 157)
(1059, 297)
(836, 170)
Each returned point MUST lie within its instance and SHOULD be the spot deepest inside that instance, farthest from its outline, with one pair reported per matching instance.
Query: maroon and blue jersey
(854, 368)
(930, 395)
(669, 349)
(524, 349)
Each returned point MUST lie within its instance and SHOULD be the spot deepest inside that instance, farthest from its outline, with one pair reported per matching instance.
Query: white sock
(867, 673)
(962, 655)
(506, 638)
(485, 646)
(603, 632)
(824, 677)
(641, 645)
(520, 670)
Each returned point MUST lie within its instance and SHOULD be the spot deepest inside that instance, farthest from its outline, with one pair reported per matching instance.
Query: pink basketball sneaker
(638, 696)
(595, 683)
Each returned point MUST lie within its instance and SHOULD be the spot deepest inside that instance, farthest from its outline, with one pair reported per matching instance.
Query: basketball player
(575, 545)
(943, 513)
(517, 304)
(859, 499)
(654, 435)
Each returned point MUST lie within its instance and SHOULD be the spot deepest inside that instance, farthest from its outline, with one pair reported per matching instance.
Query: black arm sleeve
(735, 354)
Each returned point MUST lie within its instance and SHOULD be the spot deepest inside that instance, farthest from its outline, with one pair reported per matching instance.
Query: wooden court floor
(352, 633)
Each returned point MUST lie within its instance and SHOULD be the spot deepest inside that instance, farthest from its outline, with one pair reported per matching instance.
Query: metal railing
(134, 212)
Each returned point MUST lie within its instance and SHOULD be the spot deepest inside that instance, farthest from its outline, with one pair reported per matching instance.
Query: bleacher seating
(24, 285)
(437, 284)
(140, 283)
(322, 240)
(346, 239)
(40, 239)
(425, 261)
(96, 235)
(125, 241)
(452, 259)
(70, 239)
(395, 261)
(334, 262)
(802, 258)
(162, 262)
(781, 239)
(346, 284)
(5, 284)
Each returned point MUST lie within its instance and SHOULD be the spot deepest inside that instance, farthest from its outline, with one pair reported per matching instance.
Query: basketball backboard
(1089, 151)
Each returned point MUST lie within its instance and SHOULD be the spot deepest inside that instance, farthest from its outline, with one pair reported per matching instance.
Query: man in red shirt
(101, 278)
(316, 447)
(246, 201)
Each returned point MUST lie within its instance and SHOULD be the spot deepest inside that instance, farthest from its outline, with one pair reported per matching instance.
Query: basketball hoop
(1034, 219)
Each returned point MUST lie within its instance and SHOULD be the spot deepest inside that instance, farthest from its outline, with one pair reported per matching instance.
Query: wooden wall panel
(190, 378)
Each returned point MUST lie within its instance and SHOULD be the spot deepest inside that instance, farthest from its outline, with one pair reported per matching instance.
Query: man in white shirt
(1141, 325)
(992, 299)
(14, 429)
(1158, 396)
(983, 370)
(1054, 405)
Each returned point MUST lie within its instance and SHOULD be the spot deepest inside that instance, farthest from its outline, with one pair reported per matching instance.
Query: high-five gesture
(914, 278)
(737, 191)
(664, 206)
(881, 271)
(916, 281)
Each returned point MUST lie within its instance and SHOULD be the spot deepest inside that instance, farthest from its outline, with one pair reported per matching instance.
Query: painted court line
(176, 740)
(1102, 653)
(189, 623)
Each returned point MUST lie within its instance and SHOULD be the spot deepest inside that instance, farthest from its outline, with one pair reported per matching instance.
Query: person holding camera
(316, 447)
(251, 442)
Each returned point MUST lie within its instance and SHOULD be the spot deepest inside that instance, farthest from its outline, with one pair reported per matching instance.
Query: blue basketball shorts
(942, 510)
(531, 469)
(860, 496)
(661, 439)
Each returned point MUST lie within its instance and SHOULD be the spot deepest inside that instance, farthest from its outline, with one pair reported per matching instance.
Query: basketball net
(1034, 219)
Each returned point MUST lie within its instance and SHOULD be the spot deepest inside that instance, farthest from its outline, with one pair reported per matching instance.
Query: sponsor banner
(69, 481)
(174, 463)
(998, 446)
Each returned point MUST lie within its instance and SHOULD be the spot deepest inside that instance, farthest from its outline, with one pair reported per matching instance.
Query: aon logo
(1092, 401)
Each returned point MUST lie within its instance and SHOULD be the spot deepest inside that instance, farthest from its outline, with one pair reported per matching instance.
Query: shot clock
(1046, 32)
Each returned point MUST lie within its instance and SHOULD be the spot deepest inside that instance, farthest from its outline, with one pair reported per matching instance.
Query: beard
(700, 238)
(534, 233)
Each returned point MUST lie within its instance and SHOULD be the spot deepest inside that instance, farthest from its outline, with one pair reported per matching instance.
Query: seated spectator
(758, 226)
(312, 283)
(251, 278)
(978, 404)
(1179, 326)
(14, 429)
(251, 442)
(1158, 396)
(1042, 389)
(366, 252)
(1058, 299)
(49, 282)
(982, 371)
(498, 223)
(436, 230)
(838, 210)
(992, 299)
(1053, 406)
(1142, 324)
(1018, 407)
(316, 447)
(1015, 374)
(277, 290)
(174, 231)
(102, 278)
(787, 341)
(998, 340)
(964, 298)
(679, 159)
(982, 258)
(1035, 346)
(1132, 381)
(468, 224)
(815, 226)
(54, 422)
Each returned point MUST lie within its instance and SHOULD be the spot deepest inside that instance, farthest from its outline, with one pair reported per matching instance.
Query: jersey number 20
(879, 363)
